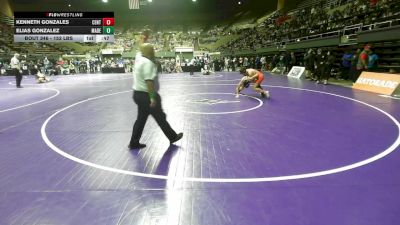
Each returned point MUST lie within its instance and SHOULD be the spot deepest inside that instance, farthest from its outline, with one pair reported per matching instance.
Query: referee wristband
(152, 95)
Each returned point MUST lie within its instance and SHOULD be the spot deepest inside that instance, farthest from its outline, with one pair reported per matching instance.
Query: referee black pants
(18, 77)
(191, 68)
(142, 100)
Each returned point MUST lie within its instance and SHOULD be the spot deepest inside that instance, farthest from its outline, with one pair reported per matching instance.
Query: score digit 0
(108, 30)
(108, 21)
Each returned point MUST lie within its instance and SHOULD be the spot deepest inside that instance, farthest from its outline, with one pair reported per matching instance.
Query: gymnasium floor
(310, 155)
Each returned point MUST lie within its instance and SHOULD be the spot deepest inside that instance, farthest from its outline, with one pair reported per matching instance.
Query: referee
(16, 69)
(145, 87)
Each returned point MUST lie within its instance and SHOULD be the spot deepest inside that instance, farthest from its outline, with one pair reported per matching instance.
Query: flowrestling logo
(206, 101)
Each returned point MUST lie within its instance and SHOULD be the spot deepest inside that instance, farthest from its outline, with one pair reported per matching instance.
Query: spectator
(309, 61)
(354, 72)
(372, 61)
(330, 60)
(363, 60)
(320, 60)
(346, 65)
(263, 63)
(293, 59)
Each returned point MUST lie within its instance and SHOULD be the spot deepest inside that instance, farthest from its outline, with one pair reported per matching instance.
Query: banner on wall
(381, 83)
(297, 72)
(117, 51)
(183, 49)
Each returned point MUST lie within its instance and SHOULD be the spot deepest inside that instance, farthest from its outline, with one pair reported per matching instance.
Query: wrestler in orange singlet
(252, 76)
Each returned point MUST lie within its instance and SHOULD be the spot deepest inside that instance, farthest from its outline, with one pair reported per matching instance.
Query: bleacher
(389, 55)
(333, 29)
(312, 24)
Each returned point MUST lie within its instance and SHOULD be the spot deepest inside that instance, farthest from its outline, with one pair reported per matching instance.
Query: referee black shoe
(136, 146)
(177, 138)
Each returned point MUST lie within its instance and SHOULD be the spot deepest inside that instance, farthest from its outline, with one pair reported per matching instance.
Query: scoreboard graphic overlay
(64, 27)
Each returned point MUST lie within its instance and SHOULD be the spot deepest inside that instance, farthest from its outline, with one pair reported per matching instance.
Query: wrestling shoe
(265, 94)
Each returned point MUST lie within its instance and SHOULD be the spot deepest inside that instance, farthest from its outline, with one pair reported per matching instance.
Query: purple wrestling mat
(310, 155)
